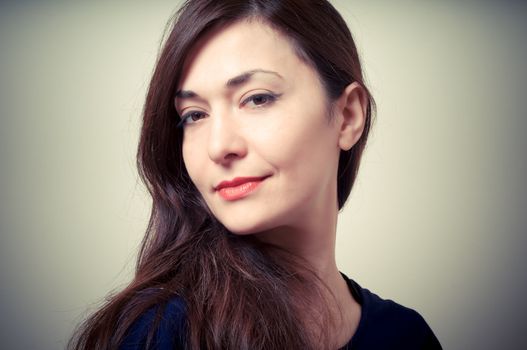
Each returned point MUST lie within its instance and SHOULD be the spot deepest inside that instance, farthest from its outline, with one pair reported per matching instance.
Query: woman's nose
(226, 140)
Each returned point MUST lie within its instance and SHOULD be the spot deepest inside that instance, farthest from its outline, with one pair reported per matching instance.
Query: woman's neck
(314, 243)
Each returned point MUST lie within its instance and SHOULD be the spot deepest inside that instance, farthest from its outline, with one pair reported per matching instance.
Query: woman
(254, 125)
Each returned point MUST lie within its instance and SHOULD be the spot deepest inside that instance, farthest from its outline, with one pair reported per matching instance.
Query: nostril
(231, 155)
(226, 143)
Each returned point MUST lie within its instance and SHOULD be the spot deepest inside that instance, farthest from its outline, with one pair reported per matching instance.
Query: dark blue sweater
(384, 324)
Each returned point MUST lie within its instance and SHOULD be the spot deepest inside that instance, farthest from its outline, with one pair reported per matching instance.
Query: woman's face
(258, 142)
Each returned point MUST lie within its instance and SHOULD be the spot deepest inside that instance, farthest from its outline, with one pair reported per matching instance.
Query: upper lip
(237, 181)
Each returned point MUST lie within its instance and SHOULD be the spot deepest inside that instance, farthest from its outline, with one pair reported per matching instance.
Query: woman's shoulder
(385, 324)
(161, 325)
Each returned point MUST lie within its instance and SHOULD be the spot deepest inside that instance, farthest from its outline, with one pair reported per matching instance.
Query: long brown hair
(239, 293)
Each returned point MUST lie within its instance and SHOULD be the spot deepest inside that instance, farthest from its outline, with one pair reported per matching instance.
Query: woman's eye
(191, 117)
(260, 100)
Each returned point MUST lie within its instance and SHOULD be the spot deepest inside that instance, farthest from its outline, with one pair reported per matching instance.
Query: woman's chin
(245, 227)
(242, 230)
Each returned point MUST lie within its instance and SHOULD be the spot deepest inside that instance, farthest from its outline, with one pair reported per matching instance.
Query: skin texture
(253, 108)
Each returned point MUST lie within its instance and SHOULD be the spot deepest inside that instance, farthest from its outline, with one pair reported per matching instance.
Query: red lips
(238, 187)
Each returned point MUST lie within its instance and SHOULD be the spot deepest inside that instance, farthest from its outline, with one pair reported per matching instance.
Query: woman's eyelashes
(255, 101)
(191, 117)
(260, 100)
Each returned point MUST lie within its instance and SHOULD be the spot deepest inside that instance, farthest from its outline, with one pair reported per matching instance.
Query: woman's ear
(351, 112)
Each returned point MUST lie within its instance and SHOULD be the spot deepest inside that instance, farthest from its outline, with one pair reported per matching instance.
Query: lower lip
(240, 191)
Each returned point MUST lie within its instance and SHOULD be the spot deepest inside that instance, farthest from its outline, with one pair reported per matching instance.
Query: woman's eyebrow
(236, 81)
(246, 76)
(186, 94)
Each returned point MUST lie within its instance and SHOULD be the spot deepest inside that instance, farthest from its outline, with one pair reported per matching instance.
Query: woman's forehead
(243, 46)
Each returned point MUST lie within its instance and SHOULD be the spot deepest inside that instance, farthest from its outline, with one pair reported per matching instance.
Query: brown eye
(260, 100)
(195, 116)
(191, 117)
